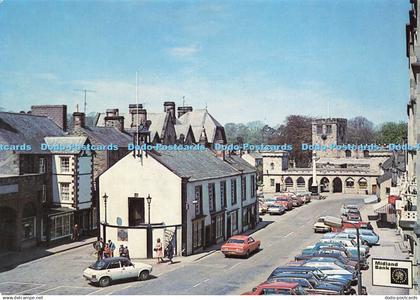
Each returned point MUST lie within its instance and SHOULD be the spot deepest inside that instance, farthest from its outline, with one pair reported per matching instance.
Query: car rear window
(235, 241)
(98, 265)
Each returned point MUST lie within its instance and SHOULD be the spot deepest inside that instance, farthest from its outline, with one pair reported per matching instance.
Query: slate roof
(158, 122)
(16, 128)
(107, 135)
(386, 176)
(201, 165)
(66, 142)
(199, 119)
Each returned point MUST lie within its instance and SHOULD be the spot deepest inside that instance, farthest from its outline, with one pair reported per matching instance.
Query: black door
(277, 187)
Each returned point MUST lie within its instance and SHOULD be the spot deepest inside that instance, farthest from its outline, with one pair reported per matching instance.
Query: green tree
(391, 133)
(360, 131)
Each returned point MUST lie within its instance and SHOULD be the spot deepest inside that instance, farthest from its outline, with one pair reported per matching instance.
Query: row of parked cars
(281, 203)
(330, 266)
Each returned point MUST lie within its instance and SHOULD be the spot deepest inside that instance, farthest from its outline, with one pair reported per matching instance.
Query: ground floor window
(197, 234)
(61, 226)
(234, 220)
(246, 215)
(28, 228)
(220, 222)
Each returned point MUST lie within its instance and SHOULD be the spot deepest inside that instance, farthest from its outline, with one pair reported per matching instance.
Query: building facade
(207, 198)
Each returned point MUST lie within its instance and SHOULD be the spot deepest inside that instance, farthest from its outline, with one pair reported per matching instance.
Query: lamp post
(149, 229)
(105, 197)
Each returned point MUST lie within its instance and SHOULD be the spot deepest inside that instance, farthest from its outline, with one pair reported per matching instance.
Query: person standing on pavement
(158, 249)
(126, 253)
(111, 246)
(99, 247)
(75, 233)
(170, 252)
(121, 251)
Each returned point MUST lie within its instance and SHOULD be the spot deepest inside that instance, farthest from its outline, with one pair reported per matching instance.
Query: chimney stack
(183, 110)
(137, 111)
(169, 106)
(79, 119)
(113, 119)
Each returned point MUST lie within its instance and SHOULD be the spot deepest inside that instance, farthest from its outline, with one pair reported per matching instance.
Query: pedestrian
(107, 252)
(170, 252)
(99, 247)
(75, 233)
(111, 247)
(126, 253)
(121, 251)
(158, 250)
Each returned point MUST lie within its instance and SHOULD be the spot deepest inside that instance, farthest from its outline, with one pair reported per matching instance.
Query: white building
(198, 198)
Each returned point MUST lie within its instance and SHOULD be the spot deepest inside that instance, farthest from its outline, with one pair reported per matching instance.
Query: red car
(277, 288)
(285, 201)
(349, 224)
(240, 245)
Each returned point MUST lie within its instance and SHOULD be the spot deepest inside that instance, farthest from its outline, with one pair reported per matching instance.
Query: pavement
(389, 247)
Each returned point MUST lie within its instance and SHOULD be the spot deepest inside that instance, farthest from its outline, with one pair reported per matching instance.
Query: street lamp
(333, 222)
(105, 197)
(149, 230)
(149, 201)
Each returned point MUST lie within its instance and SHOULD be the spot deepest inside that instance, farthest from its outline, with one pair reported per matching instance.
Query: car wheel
(258, 248)
(104, 281)
(247, 254)
(144, 275)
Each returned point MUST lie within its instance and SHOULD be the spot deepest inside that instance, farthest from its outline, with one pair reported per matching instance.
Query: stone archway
(8, 228)
(300, 183)
(289, 183)
(337, 185)
(325, 185)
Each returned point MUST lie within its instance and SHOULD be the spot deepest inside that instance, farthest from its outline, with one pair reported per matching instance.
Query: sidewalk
(10, 260)
(389, 247)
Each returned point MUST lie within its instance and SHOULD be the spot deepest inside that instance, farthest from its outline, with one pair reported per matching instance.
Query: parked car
(285, 201)
(320, 226)
(346, 254)
(104, 272)
(350, 243)
(335, 255)
(240, 245)
(368, 236)
(353, 224)
(262, 207)
(343, 235)
(344, 209)
(351, 217)
(332, 260)
(309, 283)
(317, 273)
(275, 209)
(306, 196)
(277, 288)
(333, 271)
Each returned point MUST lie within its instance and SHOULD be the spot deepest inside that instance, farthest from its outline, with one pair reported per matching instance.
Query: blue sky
(245, 60)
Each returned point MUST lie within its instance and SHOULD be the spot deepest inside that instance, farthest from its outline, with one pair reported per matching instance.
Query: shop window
(61, 226)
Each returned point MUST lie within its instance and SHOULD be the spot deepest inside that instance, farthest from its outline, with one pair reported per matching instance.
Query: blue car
(368, 236)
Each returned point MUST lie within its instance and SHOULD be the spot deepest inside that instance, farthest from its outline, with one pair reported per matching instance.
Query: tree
(297, 130)
(360, 131)
(391, 133)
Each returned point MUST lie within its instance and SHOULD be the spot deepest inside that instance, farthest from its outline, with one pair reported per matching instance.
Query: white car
(344, 209)
(107, 270)
(348, 243)
(275, 209)
(320, 226)
(332, 269)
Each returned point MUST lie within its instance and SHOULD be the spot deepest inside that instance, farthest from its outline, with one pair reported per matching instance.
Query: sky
(243, 60)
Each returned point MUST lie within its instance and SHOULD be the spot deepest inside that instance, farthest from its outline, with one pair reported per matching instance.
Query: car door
(128, 269)
(252, 244)
(114, 270)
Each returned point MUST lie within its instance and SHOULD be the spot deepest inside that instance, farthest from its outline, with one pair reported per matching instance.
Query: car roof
(239, 237)
(294, 268)
(113, 259)
(279, 284)
(297, 275)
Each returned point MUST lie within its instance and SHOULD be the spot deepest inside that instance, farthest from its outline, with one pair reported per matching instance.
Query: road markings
(194, 286)
(38, 286)
(15, 282)
(234, 266)
(290, 233)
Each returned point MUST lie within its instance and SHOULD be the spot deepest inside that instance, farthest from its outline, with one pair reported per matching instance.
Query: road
(212, 275)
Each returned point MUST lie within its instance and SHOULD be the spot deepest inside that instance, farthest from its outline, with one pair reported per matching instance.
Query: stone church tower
(327, 132)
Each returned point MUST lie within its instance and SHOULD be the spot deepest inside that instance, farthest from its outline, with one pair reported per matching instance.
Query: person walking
(121, 251)
(75, 233)
(111, 246)
(99, 247)
(170, 252)
(126, 253)
(159, 253)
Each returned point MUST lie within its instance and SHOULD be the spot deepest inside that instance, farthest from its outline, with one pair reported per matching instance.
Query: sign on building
(392, 273)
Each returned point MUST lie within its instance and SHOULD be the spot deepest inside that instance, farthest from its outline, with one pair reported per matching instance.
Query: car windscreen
(98, 265)
(235, 241)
